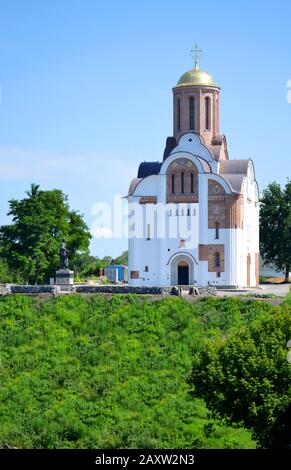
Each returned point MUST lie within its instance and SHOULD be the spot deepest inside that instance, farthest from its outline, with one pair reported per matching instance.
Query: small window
(134, 274)
(216, 230)
(170, 212)
(188, 211)
(178, 114)
(192, 113)
(192, 183)
(207, 113)
(217, 259)
(182, 243)
(148, 231)
(182, 182)
(146, 268)
(173, 184)
(218, 274)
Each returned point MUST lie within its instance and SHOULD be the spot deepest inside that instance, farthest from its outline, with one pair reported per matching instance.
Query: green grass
(93, 372)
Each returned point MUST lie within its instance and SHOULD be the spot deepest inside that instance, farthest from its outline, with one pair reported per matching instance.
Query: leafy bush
(245, 377)
(99, 372)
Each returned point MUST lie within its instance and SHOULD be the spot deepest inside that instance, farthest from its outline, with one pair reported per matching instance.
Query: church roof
(234, 166)
(133, 185)
(196, 77)
(171, 143)
(148, 168)
(235, 182)
(234, 171)
(204, 163)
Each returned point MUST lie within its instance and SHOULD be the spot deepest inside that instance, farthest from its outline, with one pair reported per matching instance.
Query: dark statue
(64, 256)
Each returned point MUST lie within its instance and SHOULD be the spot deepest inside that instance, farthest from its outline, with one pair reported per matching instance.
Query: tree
(107, 260)
(86, 265)
(31, 243)
(122, 259)
(5, 274)
(246, 378)
(83, 262)
(275, 227)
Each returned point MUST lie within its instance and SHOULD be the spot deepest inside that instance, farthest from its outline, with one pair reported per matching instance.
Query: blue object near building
(120, 272)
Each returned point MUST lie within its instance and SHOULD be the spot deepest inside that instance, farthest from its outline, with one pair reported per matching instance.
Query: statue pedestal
(64, 276)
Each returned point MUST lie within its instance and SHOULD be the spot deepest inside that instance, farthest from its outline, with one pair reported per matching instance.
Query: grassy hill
(94, 372)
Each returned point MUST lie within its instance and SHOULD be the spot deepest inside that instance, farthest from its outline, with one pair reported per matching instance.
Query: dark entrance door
(183, 273)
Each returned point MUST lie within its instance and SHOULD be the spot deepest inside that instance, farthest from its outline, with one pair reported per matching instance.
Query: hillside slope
(93, 372)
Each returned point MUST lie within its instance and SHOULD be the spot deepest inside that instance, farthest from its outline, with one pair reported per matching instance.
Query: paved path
(281, 290)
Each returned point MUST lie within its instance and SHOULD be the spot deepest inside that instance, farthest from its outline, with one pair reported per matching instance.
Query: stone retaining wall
(115, 289)
(105, 289)
(16, 289)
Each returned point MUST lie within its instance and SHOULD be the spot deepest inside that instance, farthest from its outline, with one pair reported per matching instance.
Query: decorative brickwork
(148, 200)
(214, 254)
(215, 188)
(226, 209)
(182, 198)
(203, 252)
(182, 121)
(182, 181)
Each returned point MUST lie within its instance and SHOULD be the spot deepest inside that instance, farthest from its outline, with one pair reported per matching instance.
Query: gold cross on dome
(196, 53)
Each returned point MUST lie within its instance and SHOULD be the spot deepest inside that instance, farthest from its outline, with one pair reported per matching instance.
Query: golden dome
(197, 77)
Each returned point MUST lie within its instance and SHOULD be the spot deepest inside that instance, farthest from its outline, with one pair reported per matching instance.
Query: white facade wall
(154, 258)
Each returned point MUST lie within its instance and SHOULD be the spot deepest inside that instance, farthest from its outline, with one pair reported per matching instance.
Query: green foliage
(30, 245)
(5, 274)
(86, 266)
(98, 372)
(122, 259)
(275, 227)
(245, 376)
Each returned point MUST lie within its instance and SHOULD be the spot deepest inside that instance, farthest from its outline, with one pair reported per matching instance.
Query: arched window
(173, 184)
(217, 259)
(192, 183)
(182, 182)
(207, 113)
(178, 114)
(192, 113)
(217, 230)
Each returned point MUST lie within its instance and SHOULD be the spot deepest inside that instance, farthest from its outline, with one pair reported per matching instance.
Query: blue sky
(86, 90)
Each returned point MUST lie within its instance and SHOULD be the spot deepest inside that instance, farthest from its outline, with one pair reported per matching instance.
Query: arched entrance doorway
(183, 273)
(182, 269)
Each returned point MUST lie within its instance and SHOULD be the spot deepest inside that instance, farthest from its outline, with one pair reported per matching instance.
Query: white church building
(194, 217)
